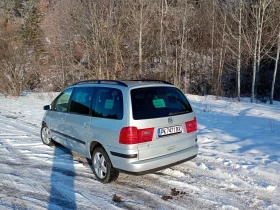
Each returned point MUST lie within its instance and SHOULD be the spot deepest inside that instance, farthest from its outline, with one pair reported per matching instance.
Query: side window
(60, 104)
(81, 100)
(108, 103)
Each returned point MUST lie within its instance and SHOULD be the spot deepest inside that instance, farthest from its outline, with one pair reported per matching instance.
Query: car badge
(170, 120)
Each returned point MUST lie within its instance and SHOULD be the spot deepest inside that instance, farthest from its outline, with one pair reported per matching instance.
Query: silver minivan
(134, 127)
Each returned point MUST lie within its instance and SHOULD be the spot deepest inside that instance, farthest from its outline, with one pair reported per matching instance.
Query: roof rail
(152, 80)
(102, 82)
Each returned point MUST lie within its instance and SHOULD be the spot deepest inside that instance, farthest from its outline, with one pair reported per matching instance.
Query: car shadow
(62, 180)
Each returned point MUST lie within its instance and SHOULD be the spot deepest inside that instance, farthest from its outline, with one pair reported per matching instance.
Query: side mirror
(47, 107)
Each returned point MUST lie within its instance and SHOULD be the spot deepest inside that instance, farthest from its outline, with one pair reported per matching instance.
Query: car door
(78, 119)
(59, 109)
(107, 116)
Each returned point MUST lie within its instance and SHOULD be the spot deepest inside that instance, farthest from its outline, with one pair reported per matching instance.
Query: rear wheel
(102, 166)
(46, 136)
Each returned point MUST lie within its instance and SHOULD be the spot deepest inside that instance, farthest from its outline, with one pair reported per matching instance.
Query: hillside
(225, 48)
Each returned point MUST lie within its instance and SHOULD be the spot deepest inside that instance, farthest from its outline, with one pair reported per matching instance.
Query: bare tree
(183, 42)
(15, 69)
(260, 18)
(213, 38)
(235, 31)
(239, 48)
(275, 69)
(140, 36)
(222, 53)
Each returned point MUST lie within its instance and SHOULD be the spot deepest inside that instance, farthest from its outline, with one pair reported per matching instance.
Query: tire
(46, 136)
(102, 166)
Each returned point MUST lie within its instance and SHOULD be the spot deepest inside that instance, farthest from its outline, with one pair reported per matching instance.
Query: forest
(220, 47)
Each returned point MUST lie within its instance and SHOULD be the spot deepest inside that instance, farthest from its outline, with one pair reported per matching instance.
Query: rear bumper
(159, 168)
(136, 167)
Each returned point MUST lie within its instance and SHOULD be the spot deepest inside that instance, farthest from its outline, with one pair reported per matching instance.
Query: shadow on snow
(62, 192)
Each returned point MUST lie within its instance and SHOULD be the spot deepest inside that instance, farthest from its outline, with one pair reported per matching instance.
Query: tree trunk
(255, 55)
(275, 69)
(212, 44)
(182, 46)
(185, 38)
(263, 4)
(116, 47)
(140, 39)
(176, 68)
(219, 82)
(100, 68)
(161, 32)
(167, 61)
(260, 28)
(239, 49)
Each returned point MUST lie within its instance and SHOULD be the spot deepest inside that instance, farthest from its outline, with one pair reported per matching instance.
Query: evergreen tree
(30, 32)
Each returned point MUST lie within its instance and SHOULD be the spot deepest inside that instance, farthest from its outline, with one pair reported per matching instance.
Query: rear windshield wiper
(177, 113)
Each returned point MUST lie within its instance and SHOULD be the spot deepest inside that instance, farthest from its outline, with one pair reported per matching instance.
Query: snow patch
(237, 166)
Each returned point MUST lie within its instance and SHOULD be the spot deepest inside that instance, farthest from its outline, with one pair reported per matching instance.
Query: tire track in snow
(265, 187)
(147, 190)
(241, 188)
(150, 188)
(39, 188)
(154, 186)
(19, 126)
(20, 172)
(23, 163)
(206, 187)
(203, 187)
(133, 197)
(270, 180)
(147, 193)
(206, 181)
(216, 187)
(258, 187)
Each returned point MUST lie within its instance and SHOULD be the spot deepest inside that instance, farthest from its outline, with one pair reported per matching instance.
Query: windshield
(156, 102)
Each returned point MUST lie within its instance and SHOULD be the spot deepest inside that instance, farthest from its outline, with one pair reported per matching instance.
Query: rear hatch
(164, 120)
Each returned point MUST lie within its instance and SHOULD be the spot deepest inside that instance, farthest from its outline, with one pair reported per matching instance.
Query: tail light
(191, 125)
(128, 135)
(132, 135)
(145, 135)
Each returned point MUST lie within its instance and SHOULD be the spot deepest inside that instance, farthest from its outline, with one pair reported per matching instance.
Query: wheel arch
(93, 145)
(43, 123)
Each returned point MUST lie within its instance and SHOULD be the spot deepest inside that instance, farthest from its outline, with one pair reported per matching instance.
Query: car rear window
(156, 102)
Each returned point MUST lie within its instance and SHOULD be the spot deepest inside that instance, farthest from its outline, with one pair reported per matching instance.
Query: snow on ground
(238, 165)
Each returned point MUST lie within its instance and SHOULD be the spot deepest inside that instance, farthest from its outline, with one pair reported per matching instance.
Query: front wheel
(102, 166)
(46, 136)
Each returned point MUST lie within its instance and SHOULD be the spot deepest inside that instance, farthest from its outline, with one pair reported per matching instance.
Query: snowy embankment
(237, 166)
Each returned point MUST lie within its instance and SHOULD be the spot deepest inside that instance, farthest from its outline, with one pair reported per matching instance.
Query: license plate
(170, 130)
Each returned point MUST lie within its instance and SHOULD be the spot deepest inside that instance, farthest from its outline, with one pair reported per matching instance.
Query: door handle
(86, 125)
(62, 119)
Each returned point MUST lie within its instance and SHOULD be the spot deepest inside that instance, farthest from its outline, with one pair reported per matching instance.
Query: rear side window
(60, 104)
(156, 102)
(108, 103)
(81, 100)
